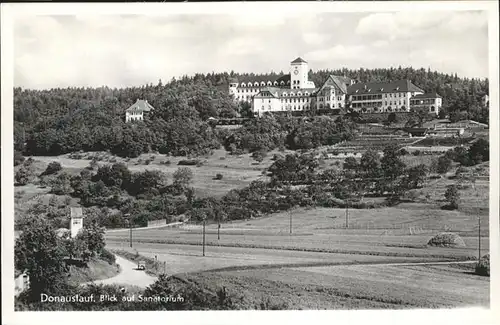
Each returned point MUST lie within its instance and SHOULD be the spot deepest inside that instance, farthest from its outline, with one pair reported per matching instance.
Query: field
(308, 258)
(355, 287)
(237, 171)
(446, 142)
(376, 142)
(385, 232)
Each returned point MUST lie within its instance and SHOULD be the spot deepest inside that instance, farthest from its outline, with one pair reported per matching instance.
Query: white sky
(127, 50)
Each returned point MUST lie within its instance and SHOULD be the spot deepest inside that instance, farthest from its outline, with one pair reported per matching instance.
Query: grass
(237, 171)
(399, 231)
(352, 287)
(437, 141)
(96, 269)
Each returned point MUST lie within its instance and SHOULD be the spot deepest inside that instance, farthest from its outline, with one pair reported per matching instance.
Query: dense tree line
(63, 120)
(271, 132)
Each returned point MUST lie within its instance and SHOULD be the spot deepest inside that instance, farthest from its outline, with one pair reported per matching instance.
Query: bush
(259, 155)
(108, 256)
(416, 153)
(443, 164)
(18, 158)
(446, 239)
(189, 162)
(483, 266)
(219, 176)
(453, 196)
(403, 152)
(52, 168)
(24, 175)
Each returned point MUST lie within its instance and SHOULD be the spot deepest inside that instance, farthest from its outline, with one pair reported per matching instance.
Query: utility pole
(203, 237)
(478, 217)
(347, 214)
(130, 227)
(479, 232)
(130, 223)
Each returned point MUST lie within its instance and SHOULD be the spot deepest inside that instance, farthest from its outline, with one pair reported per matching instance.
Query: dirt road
(128, 275)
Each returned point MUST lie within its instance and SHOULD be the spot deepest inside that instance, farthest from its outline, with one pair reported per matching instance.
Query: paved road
(128, 275)
(189, 258)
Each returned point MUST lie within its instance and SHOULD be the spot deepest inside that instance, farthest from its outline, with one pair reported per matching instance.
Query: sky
(132, 50)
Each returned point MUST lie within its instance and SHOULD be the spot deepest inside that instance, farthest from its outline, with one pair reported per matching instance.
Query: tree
(62, 184)
(391, 164)
(392, 118)
(93, 236)
(52, 168)
(18, 158)
(350, 163)
(24, 175)
(117, 175)
(415, 176)
(452, 196)
(293, 168)
(259, 155)
(183, 177)
(148, 182)
(370, 163)
(443, 165)
(39, 252)
(479, 151)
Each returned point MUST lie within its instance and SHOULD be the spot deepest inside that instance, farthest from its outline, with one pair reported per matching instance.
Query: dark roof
(140, 105)
(341, 82)
(424, 96)
(259, 79)
(299, 60)
(280, 91)
(285, 78)
(383, 87)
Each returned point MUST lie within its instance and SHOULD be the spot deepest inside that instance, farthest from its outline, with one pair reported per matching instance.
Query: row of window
(263, 84)
(423, 101)
(381, 109)
(328, 98)
(379, 96)
(287, 107)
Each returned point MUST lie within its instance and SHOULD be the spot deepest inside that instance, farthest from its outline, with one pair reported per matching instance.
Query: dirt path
(128, 275)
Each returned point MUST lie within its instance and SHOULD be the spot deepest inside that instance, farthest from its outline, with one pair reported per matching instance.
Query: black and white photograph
(271, 156)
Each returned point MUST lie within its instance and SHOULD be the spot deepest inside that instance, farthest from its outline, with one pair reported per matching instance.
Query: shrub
(443, 164)
(24, 175)
(452, 195)
(416, 153)
(218, 176)
(108, 256)
(188, 162)
(52, 168)
(483, 266)
(18, 158)
(276, 157)
(403, 152)
(446, 239)
(259, 155)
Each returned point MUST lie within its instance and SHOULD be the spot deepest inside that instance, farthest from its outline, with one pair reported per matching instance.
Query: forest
(63, 120)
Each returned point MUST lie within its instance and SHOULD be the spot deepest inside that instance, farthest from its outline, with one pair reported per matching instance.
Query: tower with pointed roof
(298, 74)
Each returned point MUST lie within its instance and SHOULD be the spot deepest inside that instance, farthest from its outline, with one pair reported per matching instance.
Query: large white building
(294, 92)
